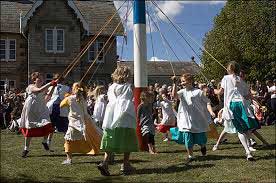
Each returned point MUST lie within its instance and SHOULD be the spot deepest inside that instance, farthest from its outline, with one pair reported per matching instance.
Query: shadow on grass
(19, 178)
(133, 161)
(103, 179)
(269, 147)
(171, 169)
(62, 155)
(175, 151)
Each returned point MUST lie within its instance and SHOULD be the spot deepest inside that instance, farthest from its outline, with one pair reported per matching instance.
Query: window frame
(96, 51)
(7, 50)
(55, 30)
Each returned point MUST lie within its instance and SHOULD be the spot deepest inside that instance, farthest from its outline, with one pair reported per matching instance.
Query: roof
(163, 68)
(92, 14)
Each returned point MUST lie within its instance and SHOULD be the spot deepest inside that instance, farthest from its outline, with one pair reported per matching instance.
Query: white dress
(99, 108)
(168, 116)
(120, 110)
(35, 113)
(234, 90)
(192, 113)
(77, 114)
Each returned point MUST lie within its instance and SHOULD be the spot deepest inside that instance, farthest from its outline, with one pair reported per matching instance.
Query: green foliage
(244, 32)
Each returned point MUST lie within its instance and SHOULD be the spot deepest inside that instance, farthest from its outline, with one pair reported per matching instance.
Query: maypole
(140, 57)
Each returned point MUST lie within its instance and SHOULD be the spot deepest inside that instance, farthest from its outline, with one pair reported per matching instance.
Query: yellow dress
(82, 135)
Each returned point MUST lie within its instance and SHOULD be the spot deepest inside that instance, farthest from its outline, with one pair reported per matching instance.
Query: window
(8, 49)
(54, 40)
(8, 84)
(94, 50)
(49, 77)
(2, 85)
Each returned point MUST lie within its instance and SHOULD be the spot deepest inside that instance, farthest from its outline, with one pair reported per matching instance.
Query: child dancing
(82, 135)
(35, 117)
(119, 122)
(192, 116)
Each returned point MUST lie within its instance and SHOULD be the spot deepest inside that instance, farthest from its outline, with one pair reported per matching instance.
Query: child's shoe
(67, 162)
(103, 169)
(45, 145)
(203, 151)
(24, 153)
(189, 160)
(249, 157)
(166, 140)
(215, 148)
(252, 142)
(127, 169)
(251, 149)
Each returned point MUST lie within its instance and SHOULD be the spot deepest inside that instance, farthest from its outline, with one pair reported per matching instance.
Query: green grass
(225, 165)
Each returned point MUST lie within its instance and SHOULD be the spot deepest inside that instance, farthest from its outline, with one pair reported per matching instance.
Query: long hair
(121, 75)
(35, 75)
(98, 91)
(80, 91)
(233, 67)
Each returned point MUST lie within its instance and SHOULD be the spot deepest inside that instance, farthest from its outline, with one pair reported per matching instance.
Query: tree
(244, 32)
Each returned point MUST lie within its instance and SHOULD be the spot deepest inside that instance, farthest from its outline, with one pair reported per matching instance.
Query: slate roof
(163, 68)
(95, 13)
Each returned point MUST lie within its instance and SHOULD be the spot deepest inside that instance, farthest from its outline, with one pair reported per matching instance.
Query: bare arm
(211, 110)
(35, 89)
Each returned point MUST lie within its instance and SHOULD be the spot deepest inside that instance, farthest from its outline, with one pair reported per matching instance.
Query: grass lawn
(228, 164)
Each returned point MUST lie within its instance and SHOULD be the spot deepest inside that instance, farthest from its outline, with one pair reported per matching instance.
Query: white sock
(189, 156)
(26, 148)
(243, 140)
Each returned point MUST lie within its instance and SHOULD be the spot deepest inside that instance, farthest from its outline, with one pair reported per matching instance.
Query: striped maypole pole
(140, 57)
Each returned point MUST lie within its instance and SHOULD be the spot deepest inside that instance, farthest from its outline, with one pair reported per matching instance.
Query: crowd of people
(104, 117)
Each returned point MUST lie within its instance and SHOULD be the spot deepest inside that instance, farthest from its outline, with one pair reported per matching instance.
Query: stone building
(161, 71)
(46, 36)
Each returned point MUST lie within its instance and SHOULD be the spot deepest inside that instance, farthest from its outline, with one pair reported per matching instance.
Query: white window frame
(54, 41)
(9, 87)
(96, 51)
(7, 50)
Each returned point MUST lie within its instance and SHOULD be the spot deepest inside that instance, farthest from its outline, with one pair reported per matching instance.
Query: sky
(194, 17)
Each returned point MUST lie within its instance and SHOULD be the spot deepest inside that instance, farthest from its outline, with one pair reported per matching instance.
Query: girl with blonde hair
(82, 135)
(119, 122)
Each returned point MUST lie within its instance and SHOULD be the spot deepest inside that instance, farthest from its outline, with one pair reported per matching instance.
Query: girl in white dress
(119, 122)
(237, 106)
(35, 117)
(193, 115)
(168, 116)
(82, 135)
(100, 105)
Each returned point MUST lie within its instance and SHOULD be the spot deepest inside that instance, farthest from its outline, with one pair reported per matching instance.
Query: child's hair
(144, 96)
(35, 75)
(188, 77)
(233, 67)
(121, 74)
(98, 91)
(80, 91)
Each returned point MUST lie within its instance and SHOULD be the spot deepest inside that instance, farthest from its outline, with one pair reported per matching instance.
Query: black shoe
(24, 154)
(45, 145)
(188, 161)
(203, 151)
(103, 169)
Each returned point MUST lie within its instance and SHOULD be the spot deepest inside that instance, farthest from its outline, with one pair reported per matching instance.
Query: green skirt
(119, 140)
(241, 122)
